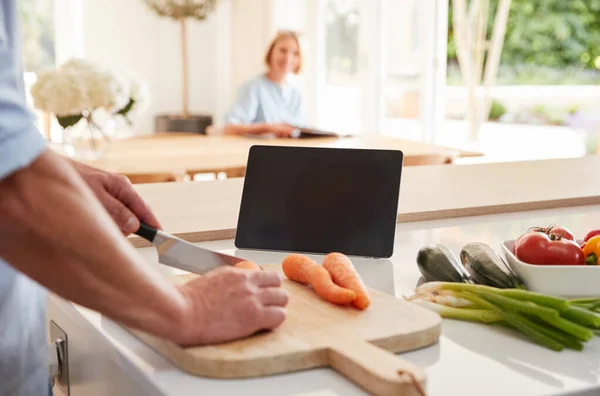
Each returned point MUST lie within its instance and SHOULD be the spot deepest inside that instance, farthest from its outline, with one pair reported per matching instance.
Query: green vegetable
(580, 332)
(538, 298)
(471, 315)
(595, 306)
(438, 263)
(516, 321)
(590, 304)
(549, 321)
(523, 295)
(526, 307)
(487, 267)
(564, 338)
(584, 300)
(592, 259)
(584, 317)
(549, 315)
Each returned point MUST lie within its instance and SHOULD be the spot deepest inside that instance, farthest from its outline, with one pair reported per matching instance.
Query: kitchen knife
(176, 252)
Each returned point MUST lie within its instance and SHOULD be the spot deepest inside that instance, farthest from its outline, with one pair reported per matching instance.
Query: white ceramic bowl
(568, 281)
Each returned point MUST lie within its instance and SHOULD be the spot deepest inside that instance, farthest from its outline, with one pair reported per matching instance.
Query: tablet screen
(320, 200)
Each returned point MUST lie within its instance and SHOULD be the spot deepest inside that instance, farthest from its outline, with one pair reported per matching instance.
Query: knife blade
(176, 252)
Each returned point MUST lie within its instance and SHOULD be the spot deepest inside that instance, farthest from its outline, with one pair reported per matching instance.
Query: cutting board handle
(378, 371)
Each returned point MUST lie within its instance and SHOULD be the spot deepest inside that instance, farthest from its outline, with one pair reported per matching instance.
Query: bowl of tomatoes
(551, 260)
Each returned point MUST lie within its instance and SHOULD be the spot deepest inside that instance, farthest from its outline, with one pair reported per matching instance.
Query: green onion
(582, 316)
(550, 321)
(519, 306)
(583, 300)
(538, 298)
(469, 314)
(551, 316)
(518, 294)
(560, 336)
(516, 321)
(490, 293)
(580, 332)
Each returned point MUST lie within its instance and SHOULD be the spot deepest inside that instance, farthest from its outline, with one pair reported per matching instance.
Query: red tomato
(541, 248)
(554, 229)
(590, 235)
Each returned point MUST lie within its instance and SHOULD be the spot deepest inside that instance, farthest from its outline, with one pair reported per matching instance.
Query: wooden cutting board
(358, 344)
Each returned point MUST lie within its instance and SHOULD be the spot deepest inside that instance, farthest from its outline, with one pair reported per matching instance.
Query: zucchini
(438, 263)
(487, 267)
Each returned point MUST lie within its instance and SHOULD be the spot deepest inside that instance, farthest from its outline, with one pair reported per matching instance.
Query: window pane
(342, 18)
(403, 84)
(37, 24)
(37, 18)
(341, 104)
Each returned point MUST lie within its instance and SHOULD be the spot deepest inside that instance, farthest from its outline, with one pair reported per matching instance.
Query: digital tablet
(320, 200)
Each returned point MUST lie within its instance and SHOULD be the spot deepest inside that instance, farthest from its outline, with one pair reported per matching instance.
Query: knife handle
(146, 232)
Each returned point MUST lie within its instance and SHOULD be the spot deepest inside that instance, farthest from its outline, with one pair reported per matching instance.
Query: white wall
(251, 30)
(225, 50)
(126, 35)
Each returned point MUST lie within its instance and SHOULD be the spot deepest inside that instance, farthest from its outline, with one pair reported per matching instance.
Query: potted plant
(181, 11)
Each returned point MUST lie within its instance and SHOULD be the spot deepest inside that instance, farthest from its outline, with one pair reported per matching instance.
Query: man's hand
(118, 197)
(230, 303)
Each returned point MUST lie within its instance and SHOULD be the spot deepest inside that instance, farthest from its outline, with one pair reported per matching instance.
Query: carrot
(321, 281)
(247, 265)
(344, 274)
(295, 267)
(304, 270)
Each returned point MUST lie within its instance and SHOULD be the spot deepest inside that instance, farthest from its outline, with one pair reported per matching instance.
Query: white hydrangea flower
(60, 93)
(79, 86)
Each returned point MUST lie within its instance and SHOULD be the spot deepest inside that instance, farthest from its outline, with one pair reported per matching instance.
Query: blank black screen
(320, 200)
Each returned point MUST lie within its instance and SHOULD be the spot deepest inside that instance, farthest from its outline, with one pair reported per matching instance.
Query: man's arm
(56, 232)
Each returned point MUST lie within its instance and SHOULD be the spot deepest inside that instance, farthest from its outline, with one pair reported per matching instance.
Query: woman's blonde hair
(281, 35)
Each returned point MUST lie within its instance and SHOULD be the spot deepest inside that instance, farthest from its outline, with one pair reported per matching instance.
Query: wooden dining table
(172, 156)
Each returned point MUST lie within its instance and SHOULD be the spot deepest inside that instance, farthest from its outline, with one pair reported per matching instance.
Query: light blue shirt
(263, 101)
(23, 352)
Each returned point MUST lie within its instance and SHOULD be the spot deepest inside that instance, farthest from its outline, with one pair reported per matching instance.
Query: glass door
(384, 66)
(340, 94)
(413, 53)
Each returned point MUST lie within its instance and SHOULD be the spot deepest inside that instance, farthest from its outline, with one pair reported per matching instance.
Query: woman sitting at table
(269, 104)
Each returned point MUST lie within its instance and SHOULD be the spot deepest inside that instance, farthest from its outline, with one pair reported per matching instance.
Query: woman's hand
(281, 130)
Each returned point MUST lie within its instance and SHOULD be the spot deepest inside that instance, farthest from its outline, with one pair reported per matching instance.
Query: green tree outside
(547, 41)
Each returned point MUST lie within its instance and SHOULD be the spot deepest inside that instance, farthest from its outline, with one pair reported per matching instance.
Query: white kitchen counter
(470, 359)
